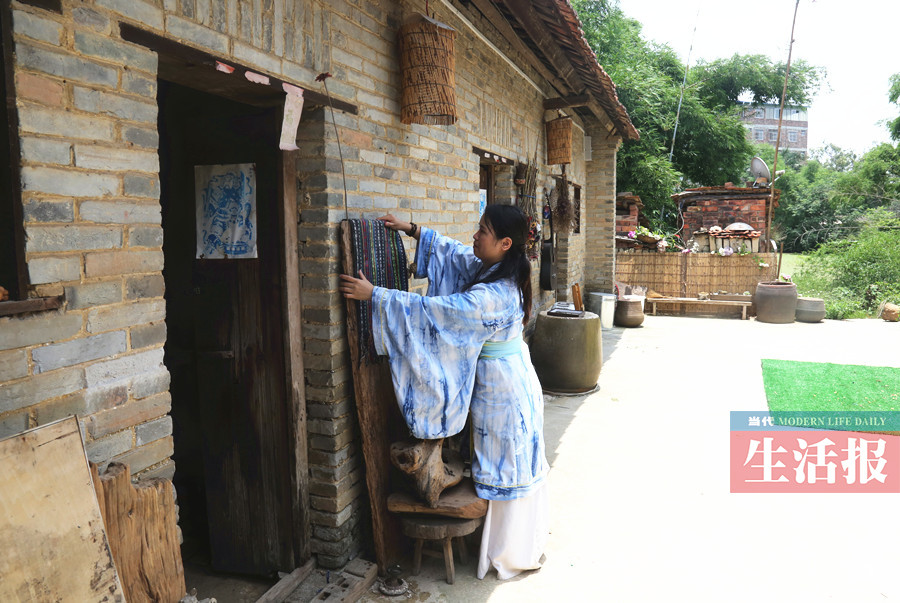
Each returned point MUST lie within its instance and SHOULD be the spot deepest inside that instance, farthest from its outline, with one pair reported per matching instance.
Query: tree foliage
(723, 82)
(710, 147)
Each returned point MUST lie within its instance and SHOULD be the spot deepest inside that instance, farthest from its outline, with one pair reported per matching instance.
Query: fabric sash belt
(501, 349)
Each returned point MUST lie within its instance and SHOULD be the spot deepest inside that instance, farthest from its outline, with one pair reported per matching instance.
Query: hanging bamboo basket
(559, 141)
(427, 72)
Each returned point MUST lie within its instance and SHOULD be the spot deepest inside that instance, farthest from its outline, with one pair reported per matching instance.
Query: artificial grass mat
(826, 387)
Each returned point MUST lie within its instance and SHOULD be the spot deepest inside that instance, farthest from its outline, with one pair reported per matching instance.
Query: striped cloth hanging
(379, 253)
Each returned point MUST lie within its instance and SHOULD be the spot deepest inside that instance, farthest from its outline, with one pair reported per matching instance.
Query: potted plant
(645, 235)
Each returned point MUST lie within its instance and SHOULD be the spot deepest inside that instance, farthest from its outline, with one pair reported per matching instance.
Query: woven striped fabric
(379, 253)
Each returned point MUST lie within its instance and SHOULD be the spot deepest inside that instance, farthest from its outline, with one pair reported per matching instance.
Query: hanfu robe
(441, 368)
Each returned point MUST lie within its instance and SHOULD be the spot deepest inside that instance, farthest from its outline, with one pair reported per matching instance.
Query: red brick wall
(716, 211)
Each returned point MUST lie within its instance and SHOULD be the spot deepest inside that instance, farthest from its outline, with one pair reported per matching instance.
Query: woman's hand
(395, 224)
(356, 288)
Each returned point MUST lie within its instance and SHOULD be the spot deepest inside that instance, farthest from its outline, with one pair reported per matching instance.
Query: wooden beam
(509, 34)
(579, 100)
(534, 26)
(192, 58)
(604, 119)
(488, 157)
(35, 304)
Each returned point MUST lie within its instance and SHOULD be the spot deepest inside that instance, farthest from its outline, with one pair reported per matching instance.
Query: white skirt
(515, 534)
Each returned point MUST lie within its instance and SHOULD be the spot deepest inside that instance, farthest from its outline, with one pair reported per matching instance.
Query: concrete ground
(641, 509)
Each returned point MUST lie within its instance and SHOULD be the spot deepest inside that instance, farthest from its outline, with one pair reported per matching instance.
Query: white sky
(854, 40)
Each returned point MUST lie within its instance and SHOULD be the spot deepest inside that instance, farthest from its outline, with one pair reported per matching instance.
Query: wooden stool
(423, 527)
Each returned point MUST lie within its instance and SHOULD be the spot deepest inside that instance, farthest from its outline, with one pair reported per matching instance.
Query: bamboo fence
(687, 274)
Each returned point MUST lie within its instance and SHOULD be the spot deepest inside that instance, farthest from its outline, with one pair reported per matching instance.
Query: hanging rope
(321, 78)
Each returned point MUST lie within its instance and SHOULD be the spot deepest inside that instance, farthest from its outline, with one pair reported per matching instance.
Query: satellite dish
(760, 171)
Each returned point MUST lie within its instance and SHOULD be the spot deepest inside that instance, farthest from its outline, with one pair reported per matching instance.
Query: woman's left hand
(356, 288)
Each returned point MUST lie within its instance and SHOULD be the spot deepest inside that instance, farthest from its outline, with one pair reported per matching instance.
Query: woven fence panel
(686, 275)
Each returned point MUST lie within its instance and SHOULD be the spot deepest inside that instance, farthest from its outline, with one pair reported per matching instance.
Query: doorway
(233, 423)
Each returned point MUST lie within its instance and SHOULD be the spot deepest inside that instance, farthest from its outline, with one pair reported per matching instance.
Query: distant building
(761, 123)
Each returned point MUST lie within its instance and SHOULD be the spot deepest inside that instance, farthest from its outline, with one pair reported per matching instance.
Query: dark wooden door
(230, 339)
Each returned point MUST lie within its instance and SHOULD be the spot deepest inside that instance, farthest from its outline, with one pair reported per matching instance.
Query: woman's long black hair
(509, 221)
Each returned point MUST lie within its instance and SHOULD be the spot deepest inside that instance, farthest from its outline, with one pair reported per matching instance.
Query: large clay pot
(629, 313)
(567, 352)
(775, 301)
(810, 309)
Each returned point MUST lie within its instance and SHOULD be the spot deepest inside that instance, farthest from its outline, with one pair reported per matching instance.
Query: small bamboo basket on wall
(559, 141)
(427, 72)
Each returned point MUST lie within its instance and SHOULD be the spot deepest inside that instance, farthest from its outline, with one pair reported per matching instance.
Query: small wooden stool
(423, 527)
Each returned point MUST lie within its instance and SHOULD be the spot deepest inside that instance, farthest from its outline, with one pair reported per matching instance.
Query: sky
(853, 40)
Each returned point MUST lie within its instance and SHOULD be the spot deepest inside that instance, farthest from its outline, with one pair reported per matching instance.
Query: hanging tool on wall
(548, 252)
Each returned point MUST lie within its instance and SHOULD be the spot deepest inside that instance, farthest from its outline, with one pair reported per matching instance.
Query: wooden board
(288, 584)
(351, 584)
(141, 525)
(380, 424)
(54, 544)
(458, 501)
(293, 351)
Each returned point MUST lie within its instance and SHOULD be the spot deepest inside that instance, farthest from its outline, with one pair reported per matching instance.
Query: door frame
(176, 65)
(293, 348)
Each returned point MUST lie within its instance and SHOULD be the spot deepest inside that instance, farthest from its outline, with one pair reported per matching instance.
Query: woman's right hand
(395, 224)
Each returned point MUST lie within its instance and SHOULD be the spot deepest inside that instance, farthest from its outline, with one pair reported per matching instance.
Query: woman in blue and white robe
(460, 350)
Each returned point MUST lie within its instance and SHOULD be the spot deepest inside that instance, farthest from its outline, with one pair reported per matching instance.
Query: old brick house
(232, 375)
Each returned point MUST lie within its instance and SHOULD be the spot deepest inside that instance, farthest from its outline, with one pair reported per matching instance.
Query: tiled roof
(563, 21)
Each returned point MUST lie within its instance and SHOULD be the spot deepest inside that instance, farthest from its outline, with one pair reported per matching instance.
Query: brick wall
(87, 112)
(737, 205)
(90, 174)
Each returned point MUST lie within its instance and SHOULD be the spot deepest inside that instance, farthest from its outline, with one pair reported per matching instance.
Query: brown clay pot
(629, 313)
(810, 309)
(775, 301)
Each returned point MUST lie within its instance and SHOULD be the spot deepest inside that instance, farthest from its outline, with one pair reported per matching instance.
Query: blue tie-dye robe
(434, 344)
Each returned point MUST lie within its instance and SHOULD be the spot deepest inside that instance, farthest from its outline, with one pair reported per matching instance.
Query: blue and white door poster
(226, 211)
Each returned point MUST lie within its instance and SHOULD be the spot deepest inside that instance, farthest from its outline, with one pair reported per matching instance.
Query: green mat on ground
(815, 386)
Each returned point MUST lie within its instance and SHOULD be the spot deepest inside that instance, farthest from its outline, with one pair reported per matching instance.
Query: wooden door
(230, 381)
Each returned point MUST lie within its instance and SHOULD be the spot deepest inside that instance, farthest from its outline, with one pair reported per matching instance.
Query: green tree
(894, 97)
(723, 82)
(710, 146)
(874, 180)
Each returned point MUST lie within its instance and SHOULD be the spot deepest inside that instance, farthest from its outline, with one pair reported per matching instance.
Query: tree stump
(425, 462)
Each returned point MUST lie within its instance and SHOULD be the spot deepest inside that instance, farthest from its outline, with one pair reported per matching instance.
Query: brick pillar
(599, 213)
(336, 474)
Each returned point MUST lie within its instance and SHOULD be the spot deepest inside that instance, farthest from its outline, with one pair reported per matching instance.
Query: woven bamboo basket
(559, 141)
(427, 72)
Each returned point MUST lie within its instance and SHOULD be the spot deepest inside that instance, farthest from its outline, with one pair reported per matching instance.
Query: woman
(459, 350)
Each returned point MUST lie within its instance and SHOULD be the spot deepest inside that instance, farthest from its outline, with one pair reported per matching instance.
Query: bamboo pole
(787, 73)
